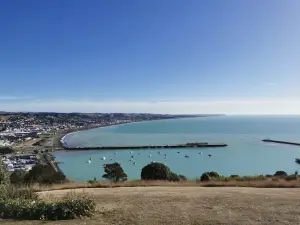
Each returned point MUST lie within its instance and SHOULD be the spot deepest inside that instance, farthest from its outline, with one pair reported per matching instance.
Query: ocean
(246, 154)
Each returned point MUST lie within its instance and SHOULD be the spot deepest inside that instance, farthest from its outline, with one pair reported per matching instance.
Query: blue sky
(171, 56)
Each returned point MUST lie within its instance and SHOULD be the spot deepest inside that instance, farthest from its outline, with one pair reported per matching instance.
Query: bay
(246, 154)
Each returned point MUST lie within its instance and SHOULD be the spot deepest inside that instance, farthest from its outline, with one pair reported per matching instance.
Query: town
(23, 136)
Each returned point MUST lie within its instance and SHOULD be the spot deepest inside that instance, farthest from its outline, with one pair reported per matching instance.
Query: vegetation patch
(24, 203)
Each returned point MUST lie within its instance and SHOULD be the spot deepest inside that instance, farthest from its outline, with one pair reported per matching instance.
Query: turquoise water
(246, 154)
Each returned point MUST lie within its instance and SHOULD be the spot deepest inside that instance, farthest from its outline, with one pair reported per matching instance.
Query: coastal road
(188, 205)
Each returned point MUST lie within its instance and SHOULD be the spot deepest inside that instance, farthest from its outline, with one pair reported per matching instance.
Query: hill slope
(188, 205)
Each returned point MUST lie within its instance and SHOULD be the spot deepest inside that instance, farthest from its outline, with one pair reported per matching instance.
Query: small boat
(103, 158)
(186, 156)
(132, 156)
(200, 153)
(178, 152)
(149, 156)
(88, 161)
(134, 163)
(297, 160)
(209, 155)
(131, 152)
(153, 161)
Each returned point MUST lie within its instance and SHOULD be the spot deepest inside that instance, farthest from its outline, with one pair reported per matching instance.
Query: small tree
(114, 172)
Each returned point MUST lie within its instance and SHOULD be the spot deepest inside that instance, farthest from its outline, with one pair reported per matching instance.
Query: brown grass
(186, 206)
(267, 183)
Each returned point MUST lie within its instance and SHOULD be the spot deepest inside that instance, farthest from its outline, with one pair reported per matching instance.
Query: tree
(44, 174)
(114, 172)
(17, 177)
(156, 171)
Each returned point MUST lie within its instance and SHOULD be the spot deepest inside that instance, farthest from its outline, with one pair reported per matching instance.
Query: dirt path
(188, 206)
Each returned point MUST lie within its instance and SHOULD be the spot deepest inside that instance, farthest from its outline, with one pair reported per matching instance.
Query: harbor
(281, 142)
(186, 145)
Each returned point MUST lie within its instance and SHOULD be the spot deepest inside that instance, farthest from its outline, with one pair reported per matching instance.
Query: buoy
(134, 163)
(131, 152)
(132, 156)
(200, 153)
(115, 153)
(178, 152)
(165, 154)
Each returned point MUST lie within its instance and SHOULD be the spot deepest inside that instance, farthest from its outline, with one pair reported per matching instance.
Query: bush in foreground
(69, 207)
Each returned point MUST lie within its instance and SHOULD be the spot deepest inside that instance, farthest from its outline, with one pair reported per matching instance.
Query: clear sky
(157, 56)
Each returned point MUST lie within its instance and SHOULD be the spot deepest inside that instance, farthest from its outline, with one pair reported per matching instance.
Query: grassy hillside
(186, 205)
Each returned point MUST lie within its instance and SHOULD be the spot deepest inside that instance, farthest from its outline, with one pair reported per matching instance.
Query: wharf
(187, 145)
(281, 142)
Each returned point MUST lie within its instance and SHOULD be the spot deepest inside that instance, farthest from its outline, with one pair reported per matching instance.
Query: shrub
(174, 177)
(280, 174)
(156, 171)
(69, 207)
(44, 174)
(114, 172)
(182, 177)
(17, 177)
(205, 177)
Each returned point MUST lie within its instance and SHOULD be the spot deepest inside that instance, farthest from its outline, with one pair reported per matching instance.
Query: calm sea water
(246, 154)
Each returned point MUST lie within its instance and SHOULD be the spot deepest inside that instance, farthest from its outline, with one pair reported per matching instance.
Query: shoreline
(62, 143)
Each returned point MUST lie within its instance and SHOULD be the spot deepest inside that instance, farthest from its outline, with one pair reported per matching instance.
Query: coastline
(70, 132)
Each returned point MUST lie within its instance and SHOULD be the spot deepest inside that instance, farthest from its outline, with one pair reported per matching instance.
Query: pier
(281, 142)
(187, 145)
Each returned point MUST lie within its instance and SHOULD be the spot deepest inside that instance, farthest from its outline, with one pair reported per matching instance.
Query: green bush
(44, 174)
(213, 174)
(205, 177)
(174, 177)
(182, 177)
(17, 177)
(69, 207)
(156, 171)
(280, 174)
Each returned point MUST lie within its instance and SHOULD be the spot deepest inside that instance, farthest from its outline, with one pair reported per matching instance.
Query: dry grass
(186, 206)
(267, 183)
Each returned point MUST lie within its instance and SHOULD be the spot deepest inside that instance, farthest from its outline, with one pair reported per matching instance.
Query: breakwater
(187, 145)
(281, 142)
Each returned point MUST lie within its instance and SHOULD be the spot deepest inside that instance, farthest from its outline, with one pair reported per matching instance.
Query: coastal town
(24, 136)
